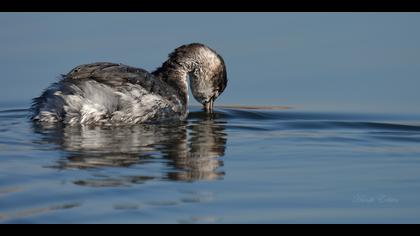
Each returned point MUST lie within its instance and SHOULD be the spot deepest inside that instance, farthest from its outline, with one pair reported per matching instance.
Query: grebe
(109, 93)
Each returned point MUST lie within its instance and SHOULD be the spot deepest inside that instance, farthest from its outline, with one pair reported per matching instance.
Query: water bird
(111, 93)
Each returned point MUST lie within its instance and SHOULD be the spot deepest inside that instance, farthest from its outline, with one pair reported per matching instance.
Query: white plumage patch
(94, 103)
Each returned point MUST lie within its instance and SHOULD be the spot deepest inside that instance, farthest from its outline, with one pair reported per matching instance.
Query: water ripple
(264, 160)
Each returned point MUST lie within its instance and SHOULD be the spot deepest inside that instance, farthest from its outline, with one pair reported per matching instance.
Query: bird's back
(108, 93)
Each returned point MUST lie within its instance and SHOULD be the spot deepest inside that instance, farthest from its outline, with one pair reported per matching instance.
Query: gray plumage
(109, 93)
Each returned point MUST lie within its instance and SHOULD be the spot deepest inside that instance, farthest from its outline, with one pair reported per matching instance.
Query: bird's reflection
(192, 149)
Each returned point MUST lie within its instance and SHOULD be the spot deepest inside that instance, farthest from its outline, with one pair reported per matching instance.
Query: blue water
(237, 166)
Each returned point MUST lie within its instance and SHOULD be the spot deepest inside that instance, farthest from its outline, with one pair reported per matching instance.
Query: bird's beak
(208, 107)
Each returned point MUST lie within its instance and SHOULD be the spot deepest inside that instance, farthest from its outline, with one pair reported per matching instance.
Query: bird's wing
(107, 73)
(115, 75)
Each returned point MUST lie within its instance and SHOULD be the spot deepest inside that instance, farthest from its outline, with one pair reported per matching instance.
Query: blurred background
(311, 61)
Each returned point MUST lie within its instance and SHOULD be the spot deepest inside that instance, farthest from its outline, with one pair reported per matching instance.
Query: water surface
(240, 165)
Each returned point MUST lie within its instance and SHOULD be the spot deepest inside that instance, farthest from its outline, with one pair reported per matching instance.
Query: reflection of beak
(208, 107)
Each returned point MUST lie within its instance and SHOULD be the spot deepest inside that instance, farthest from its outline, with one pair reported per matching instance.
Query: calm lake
(241, 165)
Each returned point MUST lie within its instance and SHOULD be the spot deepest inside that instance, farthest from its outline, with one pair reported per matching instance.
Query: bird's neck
(175, 73)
